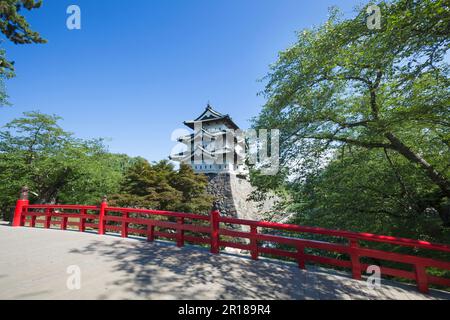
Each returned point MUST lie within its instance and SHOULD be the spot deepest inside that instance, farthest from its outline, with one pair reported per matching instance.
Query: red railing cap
(265, 224)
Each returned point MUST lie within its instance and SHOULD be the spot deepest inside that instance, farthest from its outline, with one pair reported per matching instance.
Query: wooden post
(125, 216)
(180, 232)
(33, 221)
(254, 242)
(101, 218)
(83, 220)
(301, 256)
(421, 278)
(48, 218)
(21, 204)
(151, 233)
(64, 223)
(356, 263)
(214, 218)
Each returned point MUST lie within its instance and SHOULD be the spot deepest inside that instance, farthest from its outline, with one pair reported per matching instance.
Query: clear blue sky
(137, 69)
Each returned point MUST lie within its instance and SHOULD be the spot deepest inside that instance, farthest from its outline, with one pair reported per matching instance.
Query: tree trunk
(435, 176)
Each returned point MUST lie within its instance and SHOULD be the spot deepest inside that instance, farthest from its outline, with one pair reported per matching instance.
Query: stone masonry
(231, 194)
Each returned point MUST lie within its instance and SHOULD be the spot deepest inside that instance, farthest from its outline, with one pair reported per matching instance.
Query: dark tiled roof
(214, 116)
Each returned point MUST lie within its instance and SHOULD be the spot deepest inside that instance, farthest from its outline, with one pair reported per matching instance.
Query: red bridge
(218, 232)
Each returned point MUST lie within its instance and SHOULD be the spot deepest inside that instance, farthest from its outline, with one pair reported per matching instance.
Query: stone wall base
(231, 194)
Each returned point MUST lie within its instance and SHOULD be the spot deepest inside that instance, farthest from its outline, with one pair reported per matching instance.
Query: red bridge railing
(217, 232)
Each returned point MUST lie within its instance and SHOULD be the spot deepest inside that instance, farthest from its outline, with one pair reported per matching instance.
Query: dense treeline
(365, 123)
(162, 187)
(59, 168)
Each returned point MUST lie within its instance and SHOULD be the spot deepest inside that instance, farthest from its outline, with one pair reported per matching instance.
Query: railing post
(101, 217)
(301, 256)
(356, 263)
(254, 242)
(83, 220)
(151, 233)
(214, 217)
(125, 216)
(48, 218)
(33, 221)
(180, 232)
(421, 278)
(21, 204)
(64, 223)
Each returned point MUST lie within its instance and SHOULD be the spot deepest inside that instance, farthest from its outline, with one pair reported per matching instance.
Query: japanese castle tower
(217, 148)
(217, 145)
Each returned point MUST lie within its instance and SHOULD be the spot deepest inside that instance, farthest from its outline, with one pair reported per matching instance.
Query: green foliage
(15, 28)
(3, 94)
(381, 97)
(160, 186)
(370, 191)
(58, 168)
(364, 122)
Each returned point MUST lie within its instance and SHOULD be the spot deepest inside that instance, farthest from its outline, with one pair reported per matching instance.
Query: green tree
(193, 189)
(369, 191)
(15, 28)
(35, 151)
(160, 186)
(3, 94)
(388, 89)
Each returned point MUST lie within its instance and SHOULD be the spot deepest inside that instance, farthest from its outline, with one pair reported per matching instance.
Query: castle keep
(217, 148)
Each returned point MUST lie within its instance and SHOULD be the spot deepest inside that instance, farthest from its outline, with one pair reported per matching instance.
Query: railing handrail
(351, 248)
(337, 233)
(61, 206)
(265, 224)
(158, 212)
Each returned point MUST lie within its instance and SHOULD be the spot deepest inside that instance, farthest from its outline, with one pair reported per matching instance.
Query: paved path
(33, 265)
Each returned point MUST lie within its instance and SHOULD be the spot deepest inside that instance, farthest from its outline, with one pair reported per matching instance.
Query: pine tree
(160, 186)
(16, 29)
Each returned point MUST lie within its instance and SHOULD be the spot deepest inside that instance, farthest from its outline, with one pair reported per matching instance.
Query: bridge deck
(33, 265)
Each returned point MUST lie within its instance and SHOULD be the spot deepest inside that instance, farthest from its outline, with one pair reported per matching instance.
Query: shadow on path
(161, 270)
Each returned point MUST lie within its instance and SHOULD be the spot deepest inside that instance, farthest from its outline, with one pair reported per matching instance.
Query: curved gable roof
(210, 115)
